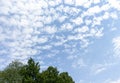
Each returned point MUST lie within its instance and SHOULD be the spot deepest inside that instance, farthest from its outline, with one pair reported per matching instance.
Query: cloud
(115, 4)
(114, 29)
(116, 45)
(77, 21)
(96, 1)
(80, 3)
(112, 81)
(28, 27)
(82, 29)
(70, 2)
(94, 10)
(99, 68)
(79, 63)
(66, 26)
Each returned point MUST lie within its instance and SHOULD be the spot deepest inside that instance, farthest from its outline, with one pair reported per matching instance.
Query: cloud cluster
(30, 27)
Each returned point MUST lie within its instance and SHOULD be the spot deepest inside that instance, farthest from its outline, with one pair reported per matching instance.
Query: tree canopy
(11, 73)
(16, 72)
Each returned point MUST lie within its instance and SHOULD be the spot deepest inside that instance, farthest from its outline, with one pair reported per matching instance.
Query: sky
(81, 37)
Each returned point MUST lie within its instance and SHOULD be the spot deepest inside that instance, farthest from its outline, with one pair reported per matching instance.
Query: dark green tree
(64, 78)
(30, 72)
(16, 72)
(11, 73)
(50, 75)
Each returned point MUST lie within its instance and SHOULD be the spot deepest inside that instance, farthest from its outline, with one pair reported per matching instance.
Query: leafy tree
(64, 78)
(50, 75)
(16, 72)
(30, 72)
(11, 73)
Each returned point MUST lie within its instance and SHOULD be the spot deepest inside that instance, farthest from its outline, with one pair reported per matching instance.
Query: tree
(16, 72)
(64, 78)
(30, 72)
(11, 73)
(50, 75)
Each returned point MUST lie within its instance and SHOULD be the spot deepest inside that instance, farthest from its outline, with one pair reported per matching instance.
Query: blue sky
(81, 37)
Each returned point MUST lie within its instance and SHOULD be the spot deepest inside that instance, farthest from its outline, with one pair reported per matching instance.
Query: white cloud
(79, 63)
(62, 18)
(80, 3)
(78, 20)
(87, 4)
(105, 7)
(114, 15)
(46, 47)
(96, 1)
(98, 68)
(114, 29)
(112, 81)
(66, 26)
(106, 15)
(97, 32)
(116, 45)
(88, 22)
(114, 3)
(51, 3)
(82, 29)
(41, 39)
(27, 25)
(94, 10)
(50, 29)
(70, 2)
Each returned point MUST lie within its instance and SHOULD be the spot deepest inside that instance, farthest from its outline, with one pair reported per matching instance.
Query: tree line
(16, 72)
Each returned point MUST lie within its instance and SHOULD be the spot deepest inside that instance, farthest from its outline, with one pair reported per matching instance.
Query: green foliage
(50, 75)
(64, 78)
(30, 72)
(16, 72)
(11, 73)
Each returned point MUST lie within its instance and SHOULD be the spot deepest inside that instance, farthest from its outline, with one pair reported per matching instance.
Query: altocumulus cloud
(46, 27)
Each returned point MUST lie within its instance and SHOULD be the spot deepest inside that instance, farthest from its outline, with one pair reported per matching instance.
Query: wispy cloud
(80, 63)
(112, 81)
(99, 68)
(116, 45)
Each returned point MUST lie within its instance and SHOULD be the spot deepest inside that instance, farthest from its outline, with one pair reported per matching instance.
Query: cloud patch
(116, 45)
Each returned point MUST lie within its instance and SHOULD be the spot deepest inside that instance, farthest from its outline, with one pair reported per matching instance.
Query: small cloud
(82, 29)
(114, 4)
(70, 2)
(67, 26)
(77, 21)
(116, 45)
(96, 1)
(112, 81)
(94, 10)
(79, 63)
(113, 29)
(97, 68)
(80, 3)
(50, 29)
